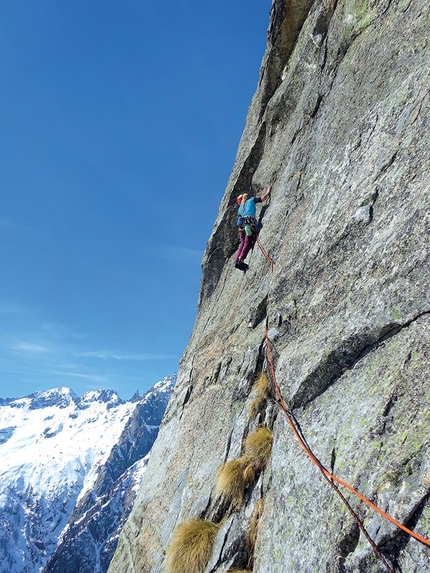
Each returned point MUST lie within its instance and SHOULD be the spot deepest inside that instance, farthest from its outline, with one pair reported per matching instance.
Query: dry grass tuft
(262, 385)
(239, 571)
(249, 474)
(231, 483)
(262, 389)
(255, 407)
(191, 546)
(258, 447)
(234, 478)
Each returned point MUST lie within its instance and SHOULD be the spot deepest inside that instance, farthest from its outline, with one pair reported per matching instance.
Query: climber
(247, 224)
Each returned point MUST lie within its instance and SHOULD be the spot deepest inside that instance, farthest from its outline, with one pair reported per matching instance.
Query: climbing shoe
(241, 266)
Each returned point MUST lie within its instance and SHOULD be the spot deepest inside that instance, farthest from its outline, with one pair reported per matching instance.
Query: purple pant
(246, 244)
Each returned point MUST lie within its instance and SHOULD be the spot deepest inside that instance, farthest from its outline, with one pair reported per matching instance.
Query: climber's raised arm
(267, 194)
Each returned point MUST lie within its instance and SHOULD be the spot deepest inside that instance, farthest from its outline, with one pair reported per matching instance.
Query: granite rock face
(339, 125)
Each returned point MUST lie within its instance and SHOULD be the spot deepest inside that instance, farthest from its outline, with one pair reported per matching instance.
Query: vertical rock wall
(339, 125)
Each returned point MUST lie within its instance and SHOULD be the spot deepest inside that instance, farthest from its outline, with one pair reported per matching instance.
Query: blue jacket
(248, 209)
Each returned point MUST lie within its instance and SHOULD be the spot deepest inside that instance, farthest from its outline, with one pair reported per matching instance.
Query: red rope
(332, 478)
(265, 254)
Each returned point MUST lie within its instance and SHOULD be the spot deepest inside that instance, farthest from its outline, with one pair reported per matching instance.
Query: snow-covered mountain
(70, 468)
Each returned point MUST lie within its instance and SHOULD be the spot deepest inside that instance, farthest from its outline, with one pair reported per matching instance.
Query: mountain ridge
(60, 451)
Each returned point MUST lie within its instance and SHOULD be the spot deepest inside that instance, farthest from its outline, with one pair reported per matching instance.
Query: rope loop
(265, 254)
(330, 478)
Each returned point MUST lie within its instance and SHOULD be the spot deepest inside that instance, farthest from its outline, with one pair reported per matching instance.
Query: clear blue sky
(120, 121)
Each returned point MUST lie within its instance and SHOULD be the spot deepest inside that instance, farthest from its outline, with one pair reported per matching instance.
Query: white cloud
(94, 377)
(11, 309)
(6, 223)
(32, 348)
(179, 254)
(36, 352)
(110, 354)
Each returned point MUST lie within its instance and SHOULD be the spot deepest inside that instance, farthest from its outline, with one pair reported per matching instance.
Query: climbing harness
(250, 225)
(330, 478)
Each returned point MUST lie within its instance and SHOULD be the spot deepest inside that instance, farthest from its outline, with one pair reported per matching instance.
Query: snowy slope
(88, 542)
(53, 448)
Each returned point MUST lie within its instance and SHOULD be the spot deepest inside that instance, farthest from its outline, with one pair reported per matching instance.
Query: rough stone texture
(339, 125)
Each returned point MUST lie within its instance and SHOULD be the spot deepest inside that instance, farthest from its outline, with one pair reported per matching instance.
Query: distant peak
(104, 396)
(60, 397)
(163, 388)
(166, 384)
(135, 397)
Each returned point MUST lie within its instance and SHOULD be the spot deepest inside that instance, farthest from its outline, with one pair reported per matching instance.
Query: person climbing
(247, 224)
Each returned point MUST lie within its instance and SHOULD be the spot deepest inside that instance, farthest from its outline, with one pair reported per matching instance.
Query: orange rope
(329, 476)
(265, 254)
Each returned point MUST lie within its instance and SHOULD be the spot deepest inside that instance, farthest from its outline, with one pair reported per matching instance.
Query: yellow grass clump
(191, 546)
(234, 478)
(249, 473)
(262, 390)
(258, 447)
